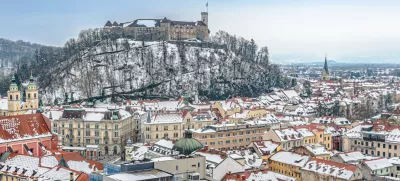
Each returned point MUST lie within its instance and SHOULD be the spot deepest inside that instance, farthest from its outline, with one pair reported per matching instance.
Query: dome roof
(187, 145)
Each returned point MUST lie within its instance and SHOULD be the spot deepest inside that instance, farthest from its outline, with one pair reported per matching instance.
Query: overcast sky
(299, 30)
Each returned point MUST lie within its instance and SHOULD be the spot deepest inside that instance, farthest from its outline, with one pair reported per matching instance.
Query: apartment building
(108, 128)
(173, 124)
(230, 136)
(321, 169)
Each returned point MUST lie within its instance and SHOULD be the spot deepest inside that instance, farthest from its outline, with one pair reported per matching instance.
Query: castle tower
(32, 95)
(204, 17)
(325, 73)
(14, 99)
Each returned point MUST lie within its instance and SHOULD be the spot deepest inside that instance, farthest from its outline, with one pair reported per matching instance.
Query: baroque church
(15, 104)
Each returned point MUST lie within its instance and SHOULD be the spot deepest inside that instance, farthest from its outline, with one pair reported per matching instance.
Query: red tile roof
(20, 126)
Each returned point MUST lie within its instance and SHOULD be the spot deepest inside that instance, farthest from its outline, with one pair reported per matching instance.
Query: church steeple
(326, 65)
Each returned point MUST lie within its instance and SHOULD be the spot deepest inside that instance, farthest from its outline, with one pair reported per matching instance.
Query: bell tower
(14, 99)
(32, 95)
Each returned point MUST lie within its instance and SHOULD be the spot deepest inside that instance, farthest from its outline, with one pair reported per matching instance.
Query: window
(79, 133)
(147, 128)
(384, 145)
(175, 127)
(156, 128)
(379, 145)
(320, 136)
(70, 125)
(116, 134)
(105, 126)
(10, 97)
(88, 126)
(87, 133)
(395, 147)
(176, 167)
(116, 126)
(175, 135)
(383, 154)
(362, 142)
(390, 146)
(97, 141)
(379, 153)
(366, 143)
(96, 126)
(228, 141)
(16, 97)
(62, 125)
(165, 128)
(328, 138)
(79, 125)
(34, 95)
(96, 133)
(87, 141)
(355, 142)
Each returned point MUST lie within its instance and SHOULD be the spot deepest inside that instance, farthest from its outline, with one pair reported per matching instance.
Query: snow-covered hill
(122, 68)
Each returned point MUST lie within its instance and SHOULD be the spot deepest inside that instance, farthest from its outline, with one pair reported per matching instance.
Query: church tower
(325, 73)
(32, 95)
(14, 99)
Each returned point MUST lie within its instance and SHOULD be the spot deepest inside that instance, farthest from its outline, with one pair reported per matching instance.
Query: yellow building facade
(14, 98)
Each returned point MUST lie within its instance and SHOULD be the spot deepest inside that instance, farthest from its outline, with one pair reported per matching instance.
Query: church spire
(326, 65)
(31, 77)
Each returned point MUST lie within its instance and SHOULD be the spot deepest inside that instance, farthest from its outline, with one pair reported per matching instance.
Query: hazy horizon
(365, 31)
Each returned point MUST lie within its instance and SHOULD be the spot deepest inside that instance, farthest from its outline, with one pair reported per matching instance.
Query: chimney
(206, 147)
(71, 176)
(243, 177)
(238, 176)
(229, 172)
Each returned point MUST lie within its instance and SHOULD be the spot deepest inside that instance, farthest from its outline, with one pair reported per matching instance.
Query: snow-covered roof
(354, 156)
(305, 132)
(271, 176)
(22, 127)
(164, 143)
(378, 163)
(213, 158)
(290, 158)
(94, 116)
(317, 149)
(288, 134)
(166, 118)
(331, 168)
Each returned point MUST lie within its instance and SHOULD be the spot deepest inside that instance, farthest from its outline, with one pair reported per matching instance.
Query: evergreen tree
(56, 101)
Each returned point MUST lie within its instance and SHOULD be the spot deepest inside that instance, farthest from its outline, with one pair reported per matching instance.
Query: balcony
(373, 139)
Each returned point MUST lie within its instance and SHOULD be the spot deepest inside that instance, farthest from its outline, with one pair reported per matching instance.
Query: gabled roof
(26, 126)
(108, 24)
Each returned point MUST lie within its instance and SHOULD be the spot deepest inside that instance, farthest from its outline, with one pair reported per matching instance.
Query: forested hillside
(105, 64)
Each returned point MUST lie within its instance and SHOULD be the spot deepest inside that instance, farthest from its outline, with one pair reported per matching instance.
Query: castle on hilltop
(166, 29)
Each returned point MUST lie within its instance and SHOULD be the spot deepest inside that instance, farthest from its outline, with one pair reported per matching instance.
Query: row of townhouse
(380, 140)
(300, 135)
(302, 167)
